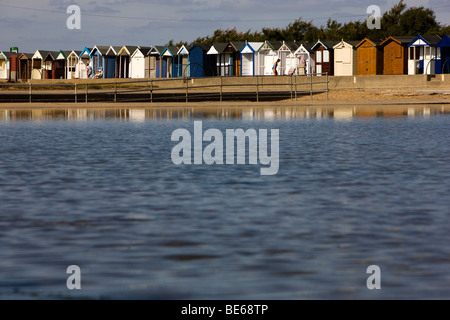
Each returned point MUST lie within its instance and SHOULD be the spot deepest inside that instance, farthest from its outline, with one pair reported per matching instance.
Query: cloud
(143, 22)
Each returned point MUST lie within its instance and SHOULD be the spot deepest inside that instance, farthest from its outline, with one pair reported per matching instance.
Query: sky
(42, 24)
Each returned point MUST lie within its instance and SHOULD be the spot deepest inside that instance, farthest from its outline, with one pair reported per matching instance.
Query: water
(97, 189)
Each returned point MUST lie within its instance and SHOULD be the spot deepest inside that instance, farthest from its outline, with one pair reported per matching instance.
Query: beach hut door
(282, 56)
(247, 64)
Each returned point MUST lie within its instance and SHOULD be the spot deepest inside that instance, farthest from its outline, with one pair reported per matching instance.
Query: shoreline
(336, 97)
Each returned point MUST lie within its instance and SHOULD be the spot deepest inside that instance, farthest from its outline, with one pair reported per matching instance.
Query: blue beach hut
(167, 61)
(443, 55)
(110, 62)
(98, 58)
(422, 54)
(200, 63)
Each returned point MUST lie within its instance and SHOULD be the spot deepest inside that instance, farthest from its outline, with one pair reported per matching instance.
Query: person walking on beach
(89, 71)
(275, 66)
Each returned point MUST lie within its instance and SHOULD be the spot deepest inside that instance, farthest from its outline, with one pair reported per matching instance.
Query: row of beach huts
(394, 55)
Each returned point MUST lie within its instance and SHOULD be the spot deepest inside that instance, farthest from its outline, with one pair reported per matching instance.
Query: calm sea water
(97, 189)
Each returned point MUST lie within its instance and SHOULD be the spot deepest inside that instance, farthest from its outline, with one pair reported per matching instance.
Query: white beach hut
(249, 58)
(267, 55)
(139, 63)
(345, 61)
(304, 59)
(4, 66)
(288, 63)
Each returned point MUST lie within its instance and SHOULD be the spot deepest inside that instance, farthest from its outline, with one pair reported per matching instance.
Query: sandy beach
(336, 97)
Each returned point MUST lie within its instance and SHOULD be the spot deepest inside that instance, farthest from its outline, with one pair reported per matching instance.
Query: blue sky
(155, 22)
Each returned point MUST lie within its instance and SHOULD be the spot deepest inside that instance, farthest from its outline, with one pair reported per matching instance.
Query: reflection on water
(99, 190)
(245, 113)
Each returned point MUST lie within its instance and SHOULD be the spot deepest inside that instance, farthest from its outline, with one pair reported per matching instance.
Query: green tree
(416, 21)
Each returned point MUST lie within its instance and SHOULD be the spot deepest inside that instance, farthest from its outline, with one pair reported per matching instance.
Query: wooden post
(257, 89)
(292, 97)
(115, 91)
(221, 89)
(151, 90)
(311, 88)
(76, 94)
(295, 87)
(187, 89)
(86, 93)
(327, 86)
(30, 91)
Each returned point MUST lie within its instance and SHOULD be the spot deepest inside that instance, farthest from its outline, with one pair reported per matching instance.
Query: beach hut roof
(8, 54)
(63, 54)
(289, 45)
(142, 50)
(374, 42)
(25, 55)
(430, 40)
(74, 53)
(42, 53)
(101, 49)
(445, 42)
(156, 50)
(238, 45)
(204, 47)
(325, 44)
(351, 43)
(182, 50)
(170, 50)
(86, 50)
(51, 55)
(304, 46)
(403, 40)
(217, 48)
(113, 50)
(272, 45)
(127, 50)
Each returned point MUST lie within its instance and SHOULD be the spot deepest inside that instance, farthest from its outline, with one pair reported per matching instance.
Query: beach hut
(369, 57)
(85, 58)
(110, 62)
(71, 65)
(53, 68)
(249, 58)
(304, 59)
(201, 64)
(25, 66)
(139, 64)
(345, 62)
(288, 63)
(60, 65)
(4, 65)
(220, 63)
(154, 55)
(422, 54)
(181, 64)
(123, 61)
(235, 48)
(37, 64)
(442, 64)
(395, 51)
(98, 58)
(167, 61)
(324, 57)
(267, 55)
(227, 58)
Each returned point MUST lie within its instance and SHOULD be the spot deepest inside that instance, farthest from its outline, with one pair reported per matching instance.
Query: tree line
(398, 21)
